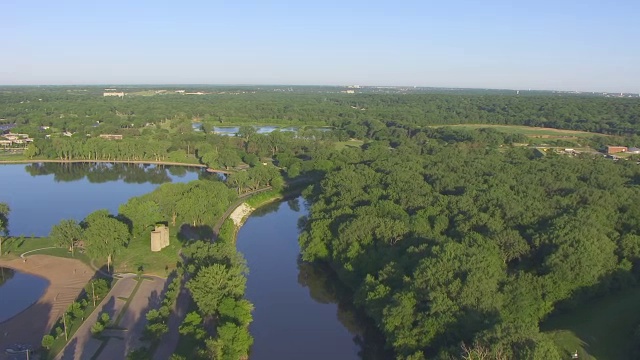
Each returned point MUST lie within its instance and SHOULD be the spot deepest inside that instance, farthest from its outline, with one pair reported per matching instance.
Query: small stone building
(159, 238)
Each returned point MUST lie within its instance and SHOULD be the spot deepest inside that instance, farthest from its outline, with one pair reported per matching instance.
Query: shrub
(47, 341)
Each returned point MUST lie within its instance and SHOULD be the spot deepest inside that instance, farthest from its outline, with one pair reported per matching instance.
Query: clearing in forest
(601, 329)
(529, 130)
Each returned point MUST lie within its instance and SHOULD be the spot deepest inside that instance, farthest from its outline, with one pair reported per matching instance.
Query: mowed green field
(601, 329)
(528, 130)
(339, 145)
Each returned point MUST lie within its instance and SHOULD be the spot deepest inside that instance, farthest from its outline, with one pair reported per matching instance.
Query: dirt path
(67, 278)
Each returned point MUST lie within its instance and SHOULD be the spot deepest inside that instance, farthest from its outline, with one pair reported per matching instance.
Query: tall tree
(104, 235)
(4, 222)
(66, 233)
(213, 284)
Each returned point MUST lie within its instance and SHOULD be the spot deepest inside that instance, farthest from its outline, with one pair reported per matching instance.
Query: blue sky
(563, 44)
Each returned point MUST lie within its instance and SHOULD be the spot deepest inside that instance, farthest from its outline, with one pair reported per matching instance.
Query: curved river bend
(298, 314)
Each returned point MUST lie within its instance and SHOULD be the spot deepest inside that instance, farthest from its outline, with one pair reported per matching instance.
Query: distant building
(348, 91)
(616, 149)
(5, 143)
(111, 137)
(120, 94)
(633, 150)
(159, 238)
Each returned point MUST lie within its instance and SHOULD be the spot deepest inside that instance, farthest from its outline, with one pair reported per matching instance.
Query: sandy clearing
(67, 278)
(239, 214)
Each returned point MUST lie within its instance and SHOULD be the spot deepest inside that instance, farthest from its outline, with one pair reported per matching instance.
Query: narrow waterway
(298, 314)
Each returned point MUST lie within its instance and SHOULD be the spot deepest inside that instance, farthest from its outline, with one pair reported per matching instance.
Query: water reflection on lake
(301, 311)
(265, 129)
(18, 291)
(40, 195)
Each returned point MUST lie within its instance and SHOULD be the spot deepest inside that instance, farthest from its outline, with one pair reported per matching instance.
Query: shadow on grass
(601, 327)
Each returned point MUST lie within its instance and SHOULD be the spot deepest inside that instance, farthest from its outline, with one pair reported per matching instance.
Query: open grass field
(339, 145)
(13, 247)
(529, 131)
(4, 155)
(601, 329)
(139, 255)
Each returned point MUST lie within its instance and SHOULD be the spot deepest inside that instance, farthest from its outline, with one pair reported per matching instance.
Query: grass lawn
(529, 130)
(12, 156)
(14, 246)
(128, 260)
(139, 254)
(600, 329)
(339, 145)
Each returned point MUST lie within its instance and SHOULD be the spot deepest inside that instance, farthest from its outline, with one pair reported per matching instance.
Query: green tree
(104, 235)
(192, 325)
(246, 132)
(66, 234)
(235, 340)
(214, 283)
(4, 223)
(47, 341)
(31, 151)
(236, 310)
(143, 214)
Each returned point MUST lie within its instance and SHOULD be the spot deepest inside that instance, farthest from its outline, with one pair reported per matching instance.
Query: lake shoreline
(66, 277)
(150, 162)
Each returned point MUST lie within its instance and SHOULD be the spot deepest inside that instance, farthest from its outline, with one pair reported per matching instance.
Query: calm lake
(299, 313)
(40, 195)
(18, 291)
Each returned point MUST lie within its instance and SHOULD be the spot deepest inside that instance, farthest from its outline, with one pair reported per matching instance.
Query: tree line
(78, 111)
(450, 241)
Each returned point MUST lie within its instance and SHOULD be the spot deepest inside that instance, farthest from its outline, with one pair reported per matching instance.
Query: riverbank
(230, 223)
(67, 278)
(168, 163)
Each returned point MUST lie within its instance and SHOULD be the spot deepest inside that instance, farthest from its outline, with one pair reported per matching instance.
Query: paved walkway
(127, 304)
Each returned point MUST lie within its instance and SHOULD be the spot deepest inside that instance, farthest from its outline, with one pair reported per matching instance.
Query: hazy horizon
(572, 46)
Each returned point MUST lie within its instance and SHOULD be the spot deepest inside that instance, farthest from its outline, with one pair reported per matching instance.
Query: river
(300, 310)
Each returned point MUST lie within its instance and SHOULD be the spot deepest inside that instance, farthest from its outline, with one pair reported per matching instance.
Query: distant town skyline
(568, 45)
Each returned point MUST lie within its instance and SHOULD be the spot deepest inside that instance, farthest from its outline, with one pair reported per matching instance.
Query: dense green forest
(460, 243)
(454, 241)
(85, 110)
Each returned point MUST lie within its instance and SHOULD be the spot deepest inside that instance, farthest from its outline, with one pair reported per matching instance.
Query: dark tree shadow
(190, 233)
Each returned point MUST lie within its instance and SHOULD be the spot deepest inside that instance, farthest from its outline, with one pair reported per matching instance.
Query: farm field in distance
(539, 136)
